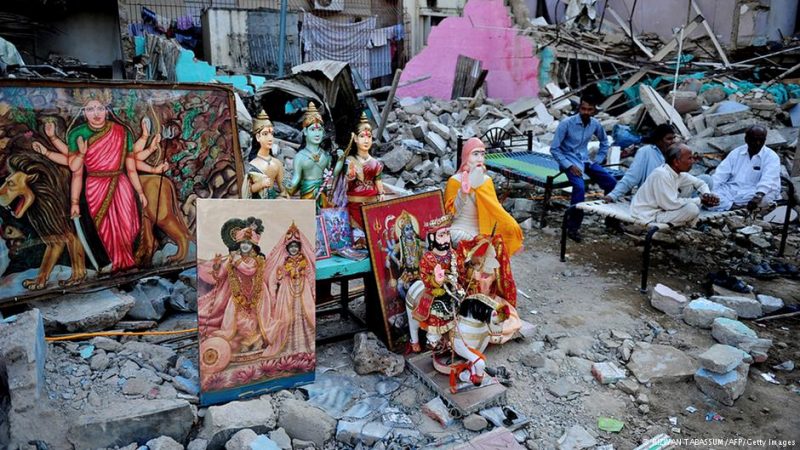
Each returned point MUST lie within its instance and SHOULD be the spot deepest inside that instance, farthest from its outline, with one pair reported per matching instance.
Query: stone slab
(92, 311)
(745, 307)
(722, 358)
(223, 421)
(702, 312)
(465, 402)
(133, 421)
(724, 388)
(660, 363)
(667, 300)
(769, 304)
(499, 438)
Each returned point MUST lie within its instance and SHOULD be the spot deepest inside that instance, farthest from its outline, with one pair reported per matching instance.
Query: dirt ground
(595, 291)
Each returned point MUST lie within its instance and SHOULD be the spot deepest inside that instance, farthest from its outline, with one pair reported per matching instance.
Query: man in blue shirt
(647, 159)
(569, 148)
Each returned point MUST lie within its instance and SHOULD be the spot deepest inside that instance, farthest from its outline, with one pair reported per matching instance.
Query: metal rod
(282, 37)
(648, 243)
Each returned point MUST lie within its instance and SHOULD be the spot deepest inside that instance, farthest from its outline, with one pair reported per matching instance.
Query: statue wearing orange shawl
(471, 199)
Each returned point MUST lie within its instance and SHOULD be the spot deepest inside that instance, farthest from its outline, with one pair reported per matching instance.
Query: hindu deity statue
(312, 164)
(363, 177)
(435, 310)
(264, 172)
(471, 198)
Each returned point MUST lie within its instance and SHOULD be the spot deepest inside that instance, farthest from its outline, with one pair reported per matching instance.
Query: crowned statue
(264, 172)
(312, 165)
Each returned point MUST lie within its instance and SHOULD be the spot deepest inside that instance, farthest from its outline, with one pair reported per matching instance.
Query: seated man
(647, 159)
(660, 198)
(569, 149)
(750, 175)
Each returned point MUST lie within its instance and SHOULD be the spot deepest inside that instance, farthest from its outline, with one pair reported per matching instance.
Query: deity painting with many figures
(396, 232)
(256, 296)
(101, 178)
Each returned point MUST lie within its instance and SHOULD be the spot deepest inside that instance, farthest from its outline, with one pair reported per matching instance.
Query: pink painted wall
(485, 33)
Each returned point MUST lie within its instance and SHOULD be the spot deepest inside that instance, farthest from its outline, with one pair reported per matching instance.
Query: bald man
(663, 197)
(750, 175)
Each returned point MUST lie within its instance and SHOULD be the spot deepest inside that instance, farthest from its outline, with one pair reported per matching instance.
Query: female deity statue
(470, 197)
(311, 163)
(363, 178)
(264, 172)
(292, 314)
(238, 308)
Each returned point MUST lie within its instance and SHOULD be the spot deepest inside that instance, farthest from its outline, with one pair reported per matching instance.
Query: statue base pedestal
(464, 402)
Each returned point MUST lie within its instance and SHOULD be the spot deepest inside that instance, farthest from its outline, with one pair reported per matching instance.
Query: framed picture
(148, 151)
(255, 297)
(323, 250)
(337, 228)
(396, 239)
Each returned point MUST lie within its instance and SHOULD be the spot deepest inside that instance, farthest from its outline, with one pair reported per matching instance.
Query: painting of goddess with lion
(85, 169)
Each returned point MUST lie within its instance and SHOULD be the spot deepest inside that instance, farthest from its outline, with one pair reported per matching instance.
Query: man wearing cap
(750, 175)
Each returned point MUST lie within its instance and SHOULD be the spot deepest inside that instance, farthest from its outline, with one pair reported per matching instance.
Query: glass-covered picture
(256, 296)
(101, 178)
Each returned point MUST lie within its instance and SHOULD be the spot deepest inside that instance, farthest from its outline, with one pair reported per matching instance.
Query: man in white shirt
(750, 175)
(663, 197)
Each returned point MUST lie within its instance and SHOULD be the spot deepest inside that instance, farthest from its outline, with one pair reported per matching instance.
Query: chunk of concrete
(701, 313)
(361, 431)
(133, 421)
(158, 356)
(23, 351)
(576, 438)
(436, 142)
(745, 307)
(724, 388)
(660, 363)
(667, 300)
(222, 422)
(769, 304)
(92, 311)
(305, 422)
(151, 295)
(163, 443)
(723, 358)
(440, 129)
(241, 440)
(607, 372)
(731, 332)
(370, 355)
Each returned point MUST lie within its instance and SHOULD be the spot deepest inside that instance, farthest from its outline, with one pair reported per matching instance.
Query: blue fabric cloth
(569, 145)
(647, 159)
(597, 174)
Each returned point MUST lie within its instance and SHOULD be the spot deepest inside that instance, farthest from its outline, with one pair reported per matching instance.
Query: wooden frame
(323, 250)
(160, 145)
(384, 223)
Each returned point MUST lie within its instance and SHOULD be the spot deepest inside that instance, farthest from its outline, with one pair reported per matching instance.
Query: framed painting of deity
(396, 239)
(99, 179)
(322, 248)
(337, 228)
(255, 296)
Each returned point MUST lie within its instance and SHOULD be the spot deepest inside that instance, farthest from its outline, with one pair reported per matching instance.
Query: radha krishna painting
(256, 311)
